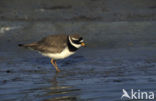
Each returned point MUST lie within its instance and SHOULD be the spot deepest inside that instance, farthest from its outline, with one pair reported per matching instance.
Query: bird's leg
(58, 70)
(55, 65)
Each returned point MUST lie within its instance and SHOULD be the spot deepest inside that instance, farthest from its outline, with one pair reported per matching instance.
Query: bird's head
(76, 40)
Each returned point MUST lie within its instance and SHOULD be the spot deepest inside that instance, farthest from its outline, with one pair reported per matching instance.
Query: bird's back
(49, 44)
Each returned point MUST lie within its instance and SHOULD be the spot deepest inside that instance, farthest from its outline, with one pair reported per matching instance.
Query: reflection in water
(60, 93)
(63, 98)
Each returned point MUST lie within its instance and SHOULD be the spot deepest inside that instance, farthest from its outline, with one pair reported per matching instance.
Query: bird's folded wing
(47, 49)
(52, 44)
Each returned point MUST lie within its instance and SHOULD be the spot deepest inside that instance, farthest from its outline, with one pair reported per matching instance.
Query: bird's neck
(70, 46)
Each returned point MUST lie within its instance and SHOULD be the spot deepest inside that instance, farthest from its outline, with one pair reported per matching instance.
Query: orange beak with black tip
(83, 44)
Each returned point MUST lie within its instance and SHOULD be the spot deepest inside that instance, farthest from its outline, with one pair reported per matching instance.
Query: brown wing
(51, 44)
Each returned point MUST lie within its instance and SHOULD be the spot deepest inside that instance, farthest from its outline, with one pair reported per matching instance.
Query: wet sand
(121, 40)
(91, 74)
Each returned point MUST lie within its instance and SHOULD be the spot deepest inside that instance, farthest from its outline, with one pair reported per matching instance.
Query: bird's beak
(83, 44)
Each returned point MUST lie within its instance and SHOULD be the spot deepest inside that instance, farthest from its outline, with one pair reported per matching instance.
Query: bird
(57, 46)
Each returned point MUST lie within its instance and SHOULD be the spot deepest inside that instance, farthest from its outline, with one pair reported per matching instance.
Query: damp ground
(92, 74)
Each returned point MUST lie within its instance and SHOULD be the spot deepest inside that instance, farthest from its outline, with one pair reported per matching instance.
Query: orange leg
(53, 62)
(58, 70)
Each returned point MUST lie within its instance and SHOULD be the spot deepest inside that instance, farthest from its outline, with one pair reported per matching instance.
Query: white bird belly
(65, 53)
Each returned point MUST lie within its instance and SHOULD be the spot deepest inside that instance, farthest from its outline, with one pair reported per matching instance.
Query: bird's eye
(80, 38)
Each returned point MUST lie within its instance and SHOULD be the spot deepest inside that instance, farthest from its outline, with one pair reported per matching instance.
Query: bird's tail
(20, 45)
(24, 45)
(32, 45)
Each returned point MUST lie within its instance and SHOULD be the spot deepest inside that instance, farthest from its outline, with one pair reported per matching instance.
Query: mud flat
(120, 55)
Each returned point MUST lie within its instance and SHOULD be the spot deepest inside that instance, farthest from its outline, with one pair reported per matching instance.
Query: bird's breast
(65, 53)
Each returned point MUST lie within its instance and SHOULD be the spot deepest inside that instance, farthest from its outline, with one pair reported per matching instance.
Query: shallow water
(89, 75)
(93, 74)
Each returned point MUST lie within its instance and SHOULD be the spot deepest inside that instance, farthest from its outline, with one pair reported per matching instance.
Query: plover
(58, 46)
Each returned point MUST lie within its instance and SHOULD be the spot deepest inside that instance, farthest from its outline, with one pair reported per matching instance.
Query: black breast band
(70, 46)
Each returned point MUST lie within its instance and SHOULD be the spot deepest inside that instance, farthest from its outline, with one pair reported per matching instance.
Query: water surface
(90, 75)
